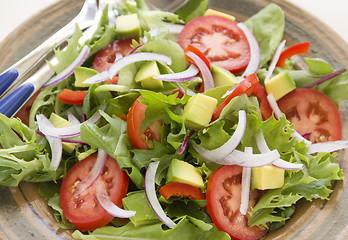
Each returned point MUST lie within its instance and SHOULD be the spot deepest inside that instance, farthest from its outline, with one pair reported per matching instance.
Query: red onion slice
(255, 57)
(150, 192)
(184, 144)
(206, 74)
(329, 146)
(279, 163)
(326, 78)
(275, 60)
(246, 178)
(55, 143)
(125, 61)
(251, 160)
(186, 75)
(99, 77)
(70, 69)
(188, 91)
(72, 131)
(73, 119)
(220, 153)
(93, 174)
(109, 206)
(273, 103)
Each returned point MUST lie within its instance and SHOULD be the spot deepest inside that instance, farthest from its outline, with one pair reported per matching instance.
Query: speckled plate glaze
(24, 215)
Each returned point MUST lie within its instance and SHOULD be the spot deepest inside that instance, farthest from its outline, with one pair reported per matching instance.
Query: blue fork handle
(7, 78)
(13, 102)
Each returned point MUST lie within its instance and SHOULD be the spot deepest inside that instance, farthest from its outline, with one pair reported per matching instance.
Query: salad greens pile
(25, 155)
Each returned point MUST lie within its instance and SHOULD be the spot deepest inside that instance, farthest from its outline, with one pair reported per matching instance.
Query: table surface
(332, 12)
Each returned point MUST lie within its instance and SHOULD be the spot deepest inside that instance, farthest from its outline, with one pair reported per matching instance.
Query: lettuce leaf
(312, 182)
(22, 157)
(185, 230)
(268, 28)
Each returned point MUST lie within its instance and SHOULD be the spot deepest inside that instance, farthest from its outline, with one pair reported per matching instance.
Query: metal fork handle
(11, 104)
(84, 19)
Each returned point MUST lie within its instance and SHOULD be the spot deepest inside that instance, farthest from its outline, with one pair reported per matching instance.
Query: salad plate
(25, 215)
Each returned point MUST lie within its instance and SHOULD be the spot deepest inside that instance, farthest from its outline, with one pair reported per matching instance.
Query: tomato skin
(72, 97)
(299, 48)
(84, 211)
(312, 112)
(246, 86)
(265, 107)
(179, 189)
(135, 119)
(223, 204)
(220, 39)
(106, 57)
(191, 48)
(196, 51)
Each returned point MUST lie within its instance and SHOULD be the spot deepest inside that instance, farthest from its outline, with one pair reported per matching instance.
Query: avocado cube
(145, 75)
(222, 77)
(199, 110)
(181, 171)
(280, 84)
(137, 201)
(267, 177)
(60, 122)
(81, 74)
(210, 11)
(128, 26)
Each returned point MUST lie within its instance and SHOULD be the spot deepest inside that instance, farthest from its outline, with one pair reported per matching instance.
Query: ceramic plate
(24, 215)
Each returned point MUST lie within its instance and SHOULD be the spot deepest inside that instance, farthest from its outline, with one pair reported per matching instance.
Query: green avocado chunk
(81, 74)
(267, 177)
(145, 75)
(180, 171)
(280, 84)
(137, 201)
(198, 111)
(128, 26)
(222, 77)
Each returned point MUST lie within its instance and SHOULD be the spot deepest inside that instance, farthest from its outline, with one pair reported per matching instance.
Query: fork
(15, 73)
(9, 105)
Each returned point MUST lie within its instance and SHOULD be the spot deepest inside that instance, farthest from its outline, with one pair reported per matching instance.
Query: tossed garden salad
(185, 125)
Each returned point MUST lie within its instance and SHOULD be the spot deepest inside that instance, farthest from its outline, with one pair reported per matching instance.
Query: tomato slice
(265, 107)
(106, 57)
(179, 189)
(223, 203)
(312, 112)
(299, 48)
(220, 39)
(84, 211)
(24, 112)
(72, 97)
(135, 119)
(246, 86)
